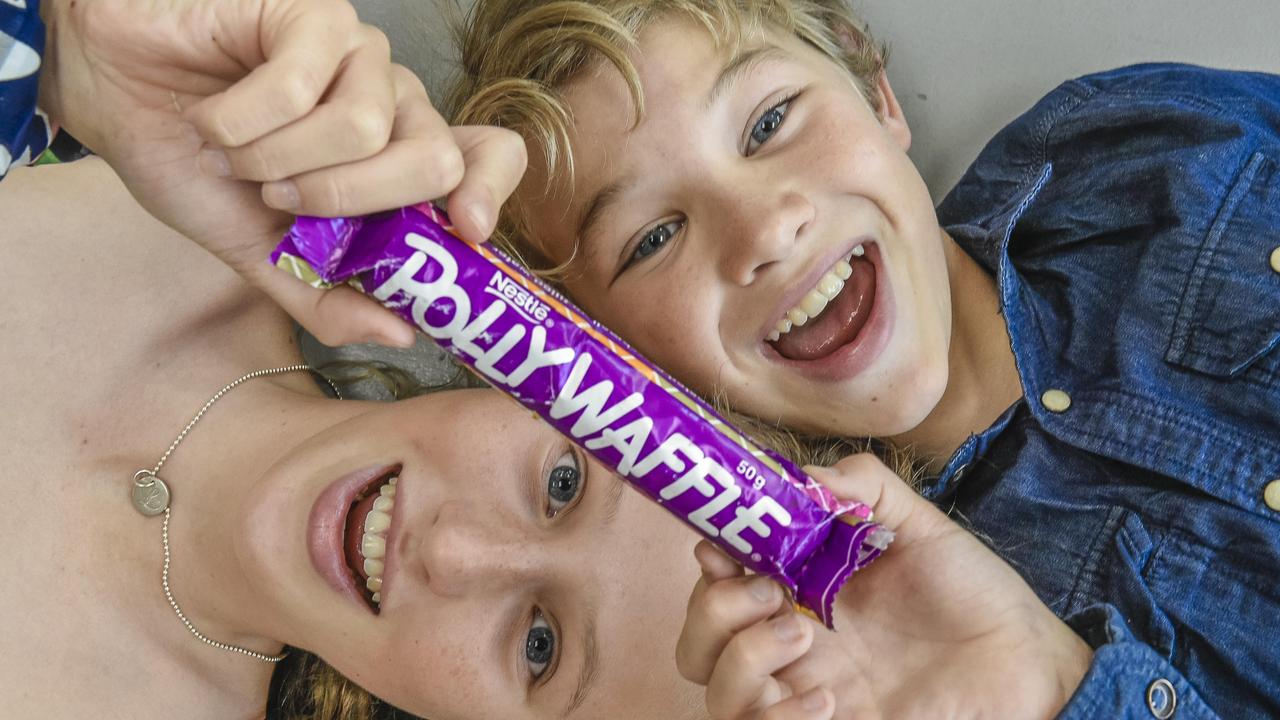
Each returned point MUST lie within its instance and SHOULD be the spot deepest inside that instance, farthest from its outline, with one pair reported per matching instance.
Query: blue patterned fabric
(1132, 222)
(24, 130)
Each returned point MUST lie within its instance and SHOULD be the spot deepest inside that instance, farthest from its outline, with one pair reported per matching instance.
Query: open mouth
(832, 315)
(364, 544)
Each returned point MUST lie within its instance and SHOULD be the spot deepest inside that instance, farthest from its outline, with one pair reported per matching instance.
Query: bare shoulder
(100, 300)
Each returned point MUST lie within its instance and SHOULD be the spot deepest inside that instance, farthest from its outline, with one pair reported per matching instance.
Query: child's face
(518, 578)
(735, 203)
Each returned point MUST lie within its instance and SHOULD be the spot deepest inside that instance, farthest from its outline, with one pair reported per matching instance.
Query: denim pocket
(1116, 573)
(1229, 314)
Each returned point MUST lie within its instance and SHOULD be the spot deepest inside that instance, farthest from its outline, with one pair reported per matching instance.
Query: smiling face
(760, 231)
(518, 578)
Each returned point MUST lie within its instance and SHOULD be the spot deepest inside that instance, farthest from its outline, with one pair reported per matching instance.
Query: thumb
(865, 478)
(336, 316)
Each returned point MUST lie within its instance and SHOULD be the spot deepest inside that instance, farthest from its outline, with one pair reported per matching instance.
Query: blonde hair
(517, 55)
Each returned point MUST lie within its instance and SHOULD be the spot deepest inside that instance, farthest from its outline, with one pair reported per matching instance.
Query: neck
(211, 475)
(982, 379)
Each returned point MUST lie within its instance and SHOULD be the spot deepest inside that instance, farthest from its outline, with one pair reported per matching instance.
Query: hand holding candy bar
(227, 117)
(940, 628)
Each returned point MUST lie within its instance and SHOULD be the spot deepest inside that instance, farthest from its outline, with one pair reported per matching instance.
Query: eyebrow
(590, 665)
(612, 500)
(600, 203)
(740, 65)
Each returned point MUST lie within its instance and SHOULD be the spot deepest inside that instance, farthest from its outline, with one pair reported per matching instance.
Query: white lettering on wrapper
(752, 519)
(591, 401)
(628, 440)
(487, 359)
(597, 416)
(729, 494)
(665, 454)
(520, 299)
(426, 293)
(538, 357)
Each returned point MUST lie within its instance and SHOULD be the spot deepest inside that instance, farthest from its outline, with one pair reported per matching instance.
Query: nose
(467, 551)
(764, 230)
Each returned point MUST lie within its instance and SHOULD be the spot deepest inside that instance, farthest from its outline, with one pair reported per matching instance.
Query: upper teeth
(373, 544)
(815, 301)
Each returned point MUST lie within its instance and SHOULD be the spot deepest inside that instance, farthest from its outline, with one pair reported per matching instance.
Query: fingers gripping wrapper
(527, 340)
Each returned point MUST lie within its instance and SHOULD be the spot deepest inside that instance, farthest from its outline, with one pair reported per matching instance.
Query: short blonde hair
(516, 55)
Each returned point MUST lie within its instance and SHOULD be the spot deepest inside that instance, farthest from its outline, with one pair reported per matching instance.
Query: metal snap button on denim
(1272, 495)
(1275, 259)
(1162, 699)
(1055, 400)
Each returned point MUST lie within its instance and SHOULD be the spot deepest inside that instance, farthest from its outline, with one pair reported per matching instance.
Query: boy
(725, 185)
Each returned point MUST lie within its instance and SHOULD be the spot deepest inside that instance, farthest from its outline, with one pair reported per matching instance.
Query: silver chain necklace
(151, 497)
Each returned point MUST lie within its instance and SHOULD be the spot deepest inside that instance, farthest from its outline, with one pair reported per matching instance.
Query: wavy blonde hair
(517, 55)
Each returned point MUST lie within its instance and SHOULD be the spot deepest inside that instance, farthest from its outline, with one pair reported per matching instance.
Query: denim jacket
(1131, 220)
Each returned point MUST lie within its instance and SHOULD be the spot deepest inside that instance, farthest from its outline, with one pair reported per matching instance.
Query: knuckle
(408, 85)
(342, 14)
(512, 144)
(744, 655)
(446, 166)
(298, 92)
(368, 129)
(719, 605)
(374, 39)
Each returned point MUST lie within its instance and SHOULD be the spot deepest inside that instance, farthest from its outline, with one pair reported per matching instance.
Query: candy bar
(530, 342)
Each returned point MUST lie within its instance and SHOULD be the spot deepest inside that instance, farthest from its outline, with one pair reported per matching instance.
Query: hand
(226, 117)
(937, 627)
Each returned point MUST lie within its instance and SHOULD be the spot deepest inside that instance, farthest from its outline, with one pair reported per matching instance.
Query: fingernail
(762, 589)
(281, 195)
(814, 700)
(481, 217)
(214, 162)
(787, 628)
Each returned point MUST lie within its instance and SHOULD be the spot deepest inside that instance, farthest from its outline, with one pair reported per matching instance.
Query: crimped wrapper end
(849, 547)
(298, 268)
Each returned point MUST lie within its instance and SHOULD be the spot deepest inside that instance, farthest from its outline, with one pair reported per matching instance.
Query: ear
(891, 115)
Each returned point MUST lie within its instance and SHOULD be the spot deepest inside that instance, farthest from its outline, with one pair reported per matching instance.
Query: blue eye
(653, 241)
(564, 484)
(768, 124)
(539, 645)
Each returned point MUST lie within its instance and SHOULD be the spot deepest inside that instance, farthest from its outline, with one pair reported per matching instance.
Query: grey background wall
(963, 68)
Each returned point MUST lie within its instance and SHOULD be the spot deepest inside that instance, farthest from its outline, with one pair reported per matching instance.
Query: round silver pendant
(150, 496)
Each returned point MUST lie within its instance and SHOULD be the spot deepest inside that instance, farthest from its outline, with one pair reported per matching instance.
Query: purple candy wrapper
(528, 341)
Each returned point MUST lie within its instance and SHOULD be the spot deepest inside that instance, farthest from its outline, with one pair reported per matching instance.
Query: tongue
(355, 534)
(839, 322)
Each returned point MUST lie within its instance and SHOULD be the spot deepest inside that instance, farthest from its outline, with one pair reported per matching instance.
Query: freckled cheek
(431, 672)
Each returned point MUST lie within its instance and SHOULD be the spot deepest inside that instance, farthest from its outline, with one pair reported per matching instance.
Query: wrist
(1071, 658)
